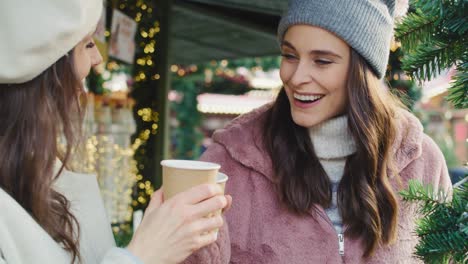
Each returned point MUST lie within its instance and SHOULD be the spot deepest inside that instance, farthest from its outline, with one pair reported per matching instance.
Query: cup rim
(224, 178)
(190, 164)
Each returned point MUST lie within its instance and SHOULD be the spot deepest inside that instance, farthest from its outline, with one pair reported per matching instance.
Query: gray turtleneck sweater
(333, 143)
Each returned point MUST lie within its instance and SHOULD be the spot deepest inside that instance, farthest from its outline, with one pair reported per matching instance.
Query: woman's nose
(97, 58)
(302, 75)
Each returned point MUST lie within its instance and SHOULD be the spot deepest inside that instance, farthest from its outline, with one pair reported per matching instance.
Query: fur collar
(242, 138)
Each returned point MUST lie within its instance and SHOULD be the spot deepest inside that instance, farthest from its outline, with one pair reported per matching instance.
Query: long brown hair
(365, 197)
(33, 115)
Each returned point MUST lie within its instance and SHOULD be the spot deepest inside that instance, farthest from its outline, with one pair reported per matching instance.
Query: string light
(104, 147)
(108, 156)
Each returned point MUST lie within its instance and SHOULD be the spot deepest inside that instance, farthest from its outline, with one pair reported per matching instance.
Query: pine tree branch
(439, 220)
(434, 38)
(450, 243)
(432, 7)
(430, 58)
(456, 21)
(443, 229)
(458, 92)
(417, 192)
(414, 29)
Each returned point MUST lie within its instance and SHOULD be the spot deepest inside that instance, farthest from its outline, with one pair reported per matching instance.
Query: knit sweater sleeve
(220, 251)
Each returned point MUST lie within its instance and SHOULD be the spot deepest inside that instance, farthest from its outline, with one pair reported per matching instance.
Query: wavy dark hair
(366, 201)
(34, 114)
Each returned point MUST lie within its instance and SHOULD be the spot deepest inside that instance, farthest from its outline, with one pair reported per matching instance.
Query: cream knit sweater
(333, 143)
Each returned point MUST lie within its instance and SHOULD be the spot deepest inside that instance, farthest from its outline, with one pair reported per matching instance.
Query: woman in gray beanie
(48, 214)
(315, 175)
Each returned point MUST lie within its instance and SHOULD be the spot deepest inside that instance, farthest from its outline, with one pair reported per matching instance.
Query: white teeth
(307, 97)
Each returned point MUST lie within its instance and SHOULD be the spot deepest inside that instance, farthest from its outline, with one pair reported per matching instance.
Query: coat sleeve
(220, 251)
(118, 256)
(435, 171)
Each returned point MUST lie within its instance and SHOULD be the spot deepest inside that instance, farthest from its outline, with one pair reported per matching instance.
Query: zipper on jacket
(340, 236)
(341, 244)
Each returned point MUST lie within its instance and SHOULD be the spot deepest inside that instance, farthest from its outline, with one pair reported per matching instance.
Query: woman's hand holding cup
(173, 230)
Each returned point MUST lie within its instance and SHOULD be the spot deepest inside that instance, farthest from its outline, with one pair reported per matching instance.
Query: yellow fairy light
(149, 48)
(174, 68)
(230, 73)
(143, 137)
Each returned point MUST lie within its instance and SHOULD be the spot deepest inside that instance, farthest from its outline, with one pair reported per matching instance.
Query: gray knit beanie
(366, 25)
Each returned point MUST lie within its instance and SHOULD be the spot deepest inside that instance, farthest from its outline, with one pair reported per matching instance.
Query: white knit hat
(37, 33)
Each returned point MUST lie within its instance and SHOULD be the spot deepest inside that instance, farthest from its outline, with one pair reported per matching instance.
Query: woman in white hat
(48, 214)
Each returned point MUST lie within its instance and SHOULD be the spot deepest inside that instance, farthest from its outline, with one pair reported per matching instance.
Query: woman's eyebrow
(314, 52)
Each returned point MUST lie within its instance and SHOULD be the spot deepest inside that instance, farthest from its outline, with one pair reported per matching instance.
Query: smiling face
(314, 72)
